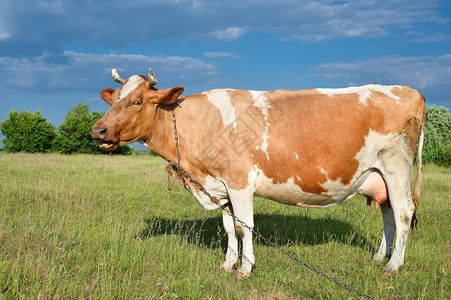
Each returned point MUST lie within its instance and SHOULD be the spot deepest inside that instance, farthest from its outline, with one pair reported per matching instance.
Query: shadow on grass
(281, 229)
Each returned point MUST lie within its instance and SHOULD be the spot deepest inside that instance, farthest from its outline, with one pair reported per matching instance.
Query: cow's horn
(152, 79)
(116, 76)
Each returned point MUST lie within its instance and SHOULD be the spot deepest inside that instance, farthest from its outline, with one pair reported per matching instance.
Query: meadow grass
(106, 227)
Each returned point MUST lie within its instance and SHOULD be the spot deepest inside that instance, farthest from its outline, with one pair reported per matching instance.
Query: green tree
(26, 132)
(437, 140)
(74, 133)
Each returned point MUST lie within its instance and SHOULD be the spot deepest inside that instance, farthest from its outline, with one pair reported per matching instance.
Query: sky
(56, 54)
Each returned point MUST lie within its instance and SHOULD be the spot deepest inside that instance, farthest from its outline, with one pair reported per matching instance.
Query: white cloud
(4, 32)
(326, 20)
(140, 22)
(229, 34)
(222, 55)
(416, 71)
(4, 36)
(91, 71)
(437, 37)
(55, 6)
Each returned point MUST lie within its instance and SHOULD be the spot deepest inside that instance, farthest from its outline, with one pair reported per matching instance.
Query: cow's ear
(106, 95)
(169, 96)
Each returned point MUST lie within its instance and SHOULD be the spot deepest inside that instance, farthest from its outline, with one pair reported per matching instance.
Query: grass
(106, 227)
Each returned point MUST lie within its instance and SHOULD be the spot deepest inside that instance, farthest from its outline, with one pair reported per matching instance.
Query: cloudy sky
(55, 54)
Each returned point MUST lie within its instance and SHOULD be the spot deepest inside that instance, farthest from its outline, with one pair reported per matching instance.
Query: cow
(307, 148)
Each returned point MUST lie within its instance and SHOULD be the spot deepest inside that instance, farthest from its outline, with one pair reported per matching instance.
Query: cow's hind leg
(231, 260)
(389, 232)
(398, 174)
(403, 213)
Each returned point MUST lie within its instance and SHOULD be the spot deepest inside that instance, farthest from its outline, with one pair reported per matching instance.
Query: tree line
(31, 132)
(25, 131)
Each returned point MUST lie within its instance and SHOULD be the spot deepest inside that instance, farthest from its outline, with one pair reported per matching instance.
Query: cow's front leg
(242, 202)
(231, 260)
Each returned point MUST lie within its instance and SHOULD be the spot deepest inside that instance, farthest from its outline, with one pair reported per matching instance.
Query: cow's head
(133, 110)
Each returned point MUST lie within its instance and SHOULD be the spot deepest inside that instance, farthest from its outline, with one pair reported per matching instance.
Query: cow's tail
(419, 180)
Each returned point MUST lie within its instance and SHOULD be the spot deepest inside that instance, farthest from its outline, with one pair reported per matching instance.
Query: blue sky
(55, 54)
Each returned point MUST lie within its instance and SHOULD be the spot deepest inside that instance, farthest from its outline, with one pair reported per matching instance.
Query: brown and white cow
(311, 148)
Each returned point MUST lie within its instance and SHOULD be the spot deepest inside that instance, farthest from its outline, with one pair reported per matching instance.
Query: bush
(437, 139)
(125, 150)
(74, 133)
(26, 132)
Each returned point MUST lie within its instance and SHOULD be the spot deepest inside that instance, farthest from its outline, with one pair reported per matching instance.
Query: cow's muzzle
(105, 136)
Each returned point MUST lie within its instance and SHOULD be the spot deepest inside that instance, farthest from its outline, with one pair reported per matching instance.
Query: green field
(106, 227)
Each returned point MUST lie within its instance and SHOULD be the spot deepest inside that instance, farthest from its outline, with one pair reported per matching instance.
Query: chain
(183, 175)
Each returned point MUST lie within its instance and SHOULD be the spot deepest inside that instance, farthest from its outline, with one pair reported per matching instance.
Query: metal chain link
(182, 174)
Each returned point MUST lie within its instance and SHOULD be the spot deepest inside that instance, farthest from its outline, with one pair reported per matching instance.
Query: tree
(74, 133)
(26, 132)
(437, 140)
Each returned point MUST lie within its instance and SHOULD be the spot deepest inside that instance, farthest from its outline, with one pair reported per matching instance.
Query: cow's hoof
(243, 274)
(388, 272)
(228, 269)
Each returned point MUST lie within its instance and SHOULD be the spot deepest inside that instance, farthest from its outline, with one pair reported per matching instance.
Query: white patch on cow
(364, 95)
(215, 187)
(264, 145)
(131, 85)
(260, 101)
(374, 142)
(337, 190)
(222, 101)
(289, 193)
(143, 142)
(296, 155)
(364, 92)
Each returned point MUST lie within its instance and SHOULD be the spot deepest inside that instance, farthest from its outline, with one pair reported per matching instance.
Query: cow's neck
(192, 132)
(161, 138)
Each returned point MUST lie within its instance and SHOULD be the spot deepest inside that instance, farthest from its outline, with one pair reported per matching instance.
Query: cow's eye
(137, 102)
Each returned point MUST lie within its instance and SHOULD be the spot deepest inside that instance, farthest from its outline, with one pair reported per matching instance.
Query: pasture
(106, 227)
